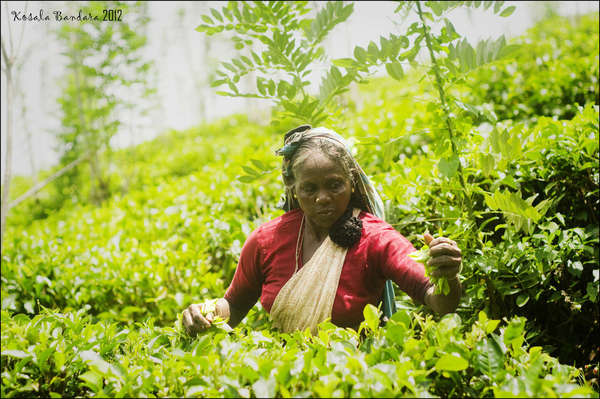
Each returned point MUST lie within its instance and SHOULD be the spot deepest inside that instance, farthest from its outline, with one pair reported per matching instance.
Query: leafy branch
(291, 46)
(451, 57)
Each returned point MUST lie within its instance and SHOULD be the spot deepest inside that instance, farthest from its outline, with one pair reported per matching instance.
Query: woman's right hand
(199, 316)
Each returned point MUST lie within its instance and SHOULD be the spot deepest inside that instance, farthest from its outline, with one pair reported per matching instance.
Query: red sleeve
(390, 250)
(246, 286)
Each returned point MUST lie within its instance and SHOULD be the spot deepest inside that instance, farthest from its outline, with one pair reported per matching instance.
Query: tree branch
(7, 61)
(12, 47)
(33, 190)
(21, 35)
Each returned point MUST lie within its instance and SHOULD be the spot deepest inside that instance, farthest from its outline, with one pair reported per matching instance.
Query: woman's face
(322, 189)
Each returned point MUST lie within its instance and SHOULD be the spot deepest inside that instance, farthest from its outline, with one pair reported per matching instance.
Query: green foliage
(517, 211)
(554, 72)
(450, 59)
(91, 294)
(103, 57)
(290, 41)
(531, 240)
(459, 55)
(168, 222)
(60, 354)
(536, 248)
(504, 160)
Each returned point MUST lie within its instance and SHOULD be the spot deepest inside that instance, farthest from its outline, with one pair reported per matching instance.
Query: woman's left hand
(445, 256)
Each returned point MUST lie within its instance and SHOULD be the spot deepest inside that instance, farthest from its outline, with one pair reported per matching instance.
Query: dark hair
(347, 230)
(334, 152)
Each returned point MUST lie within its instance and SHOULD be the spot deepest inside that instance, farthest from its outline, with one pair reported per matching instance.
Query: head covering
(368, 195)
(295, 137)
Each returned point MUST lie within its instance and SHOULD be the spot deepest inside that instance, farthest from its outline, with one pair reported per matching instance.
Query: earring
(294, 195)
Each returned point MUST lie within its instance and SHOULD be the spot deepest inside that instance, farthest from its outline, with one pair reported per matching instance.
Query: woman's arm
(232, 314)
(244, 290)
(390, 249)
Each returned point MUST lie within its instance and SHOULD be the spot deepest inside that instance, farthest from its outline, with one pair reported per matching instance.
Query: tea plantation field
(92, 294)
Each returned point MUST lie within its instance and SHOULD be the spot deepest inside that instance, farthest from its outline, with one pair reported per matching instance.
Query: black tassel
(347, 230)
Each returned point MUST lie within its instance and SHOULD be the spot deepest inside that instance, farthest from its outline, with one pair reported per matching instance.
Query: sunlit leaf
(449, 166)
(508, 11)
(489, 358)
(522, 300)
(395, 70)
(451, 362)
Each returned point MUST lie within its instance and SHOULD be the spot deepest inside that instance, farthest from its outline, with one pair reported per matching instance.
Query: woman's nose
(322, 197)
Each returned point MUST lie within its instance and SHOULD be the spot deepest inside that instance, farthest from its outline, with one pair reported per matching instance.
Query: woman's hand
(445, 261)
(445, 257)
(200, 316)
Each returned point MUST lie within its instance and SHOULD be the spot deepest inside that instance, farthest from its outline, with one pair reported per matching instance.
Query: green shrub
(58, 354)
(555, 70)
(91, 294)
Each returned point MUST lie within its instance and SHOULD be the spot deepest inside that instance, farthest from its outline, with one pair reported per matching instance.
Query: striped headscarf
(302, 134)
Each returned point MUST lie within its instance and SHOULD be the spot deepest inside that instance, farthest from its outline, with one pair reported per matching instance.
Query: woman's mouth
(325, 212)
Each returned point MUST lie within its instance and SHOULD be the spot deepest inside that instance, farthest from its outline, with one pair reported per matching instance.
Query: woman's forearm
(443, 304)
(233, 315)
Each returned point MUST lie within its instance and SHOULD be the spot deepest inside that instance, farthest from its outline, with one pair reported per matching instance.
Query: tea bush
(66, 354)
(521, 259)
(139, 251)
(91, 294)
(554, 71)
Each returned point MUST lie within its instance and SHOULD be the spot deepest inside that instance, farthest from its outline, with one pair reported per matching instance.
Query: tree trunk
(8, 155)
(27, 135)
(9, 62)
(83, 127)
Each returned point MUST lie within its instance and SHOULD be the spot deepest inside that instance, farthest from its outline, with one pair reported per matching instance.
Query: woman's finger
(444, 261)
(444, 248)
(198, 319)
(428, 238)
(185, 318)
(187, 322)
(440, 240)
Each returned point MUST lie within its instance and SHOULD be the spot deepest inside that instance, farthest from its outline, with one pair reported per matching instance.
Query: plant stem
(440, 87)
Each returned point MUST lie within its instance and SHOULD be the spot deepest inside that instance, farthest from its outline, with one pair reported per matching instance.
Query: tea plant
(553, 73)
(91, 295)
(56, 354)
(515, 171)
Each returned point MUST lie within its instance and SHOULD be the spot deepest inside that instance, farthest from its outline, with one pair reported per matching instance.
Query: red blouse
(267, 263)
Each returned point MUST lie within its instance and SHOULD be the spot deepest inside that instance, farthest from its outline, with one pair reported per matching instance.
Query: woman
(330, 254)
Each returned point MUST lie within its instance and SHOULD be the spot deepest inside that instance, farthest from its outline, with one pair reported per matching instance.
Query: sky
(180, 66)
